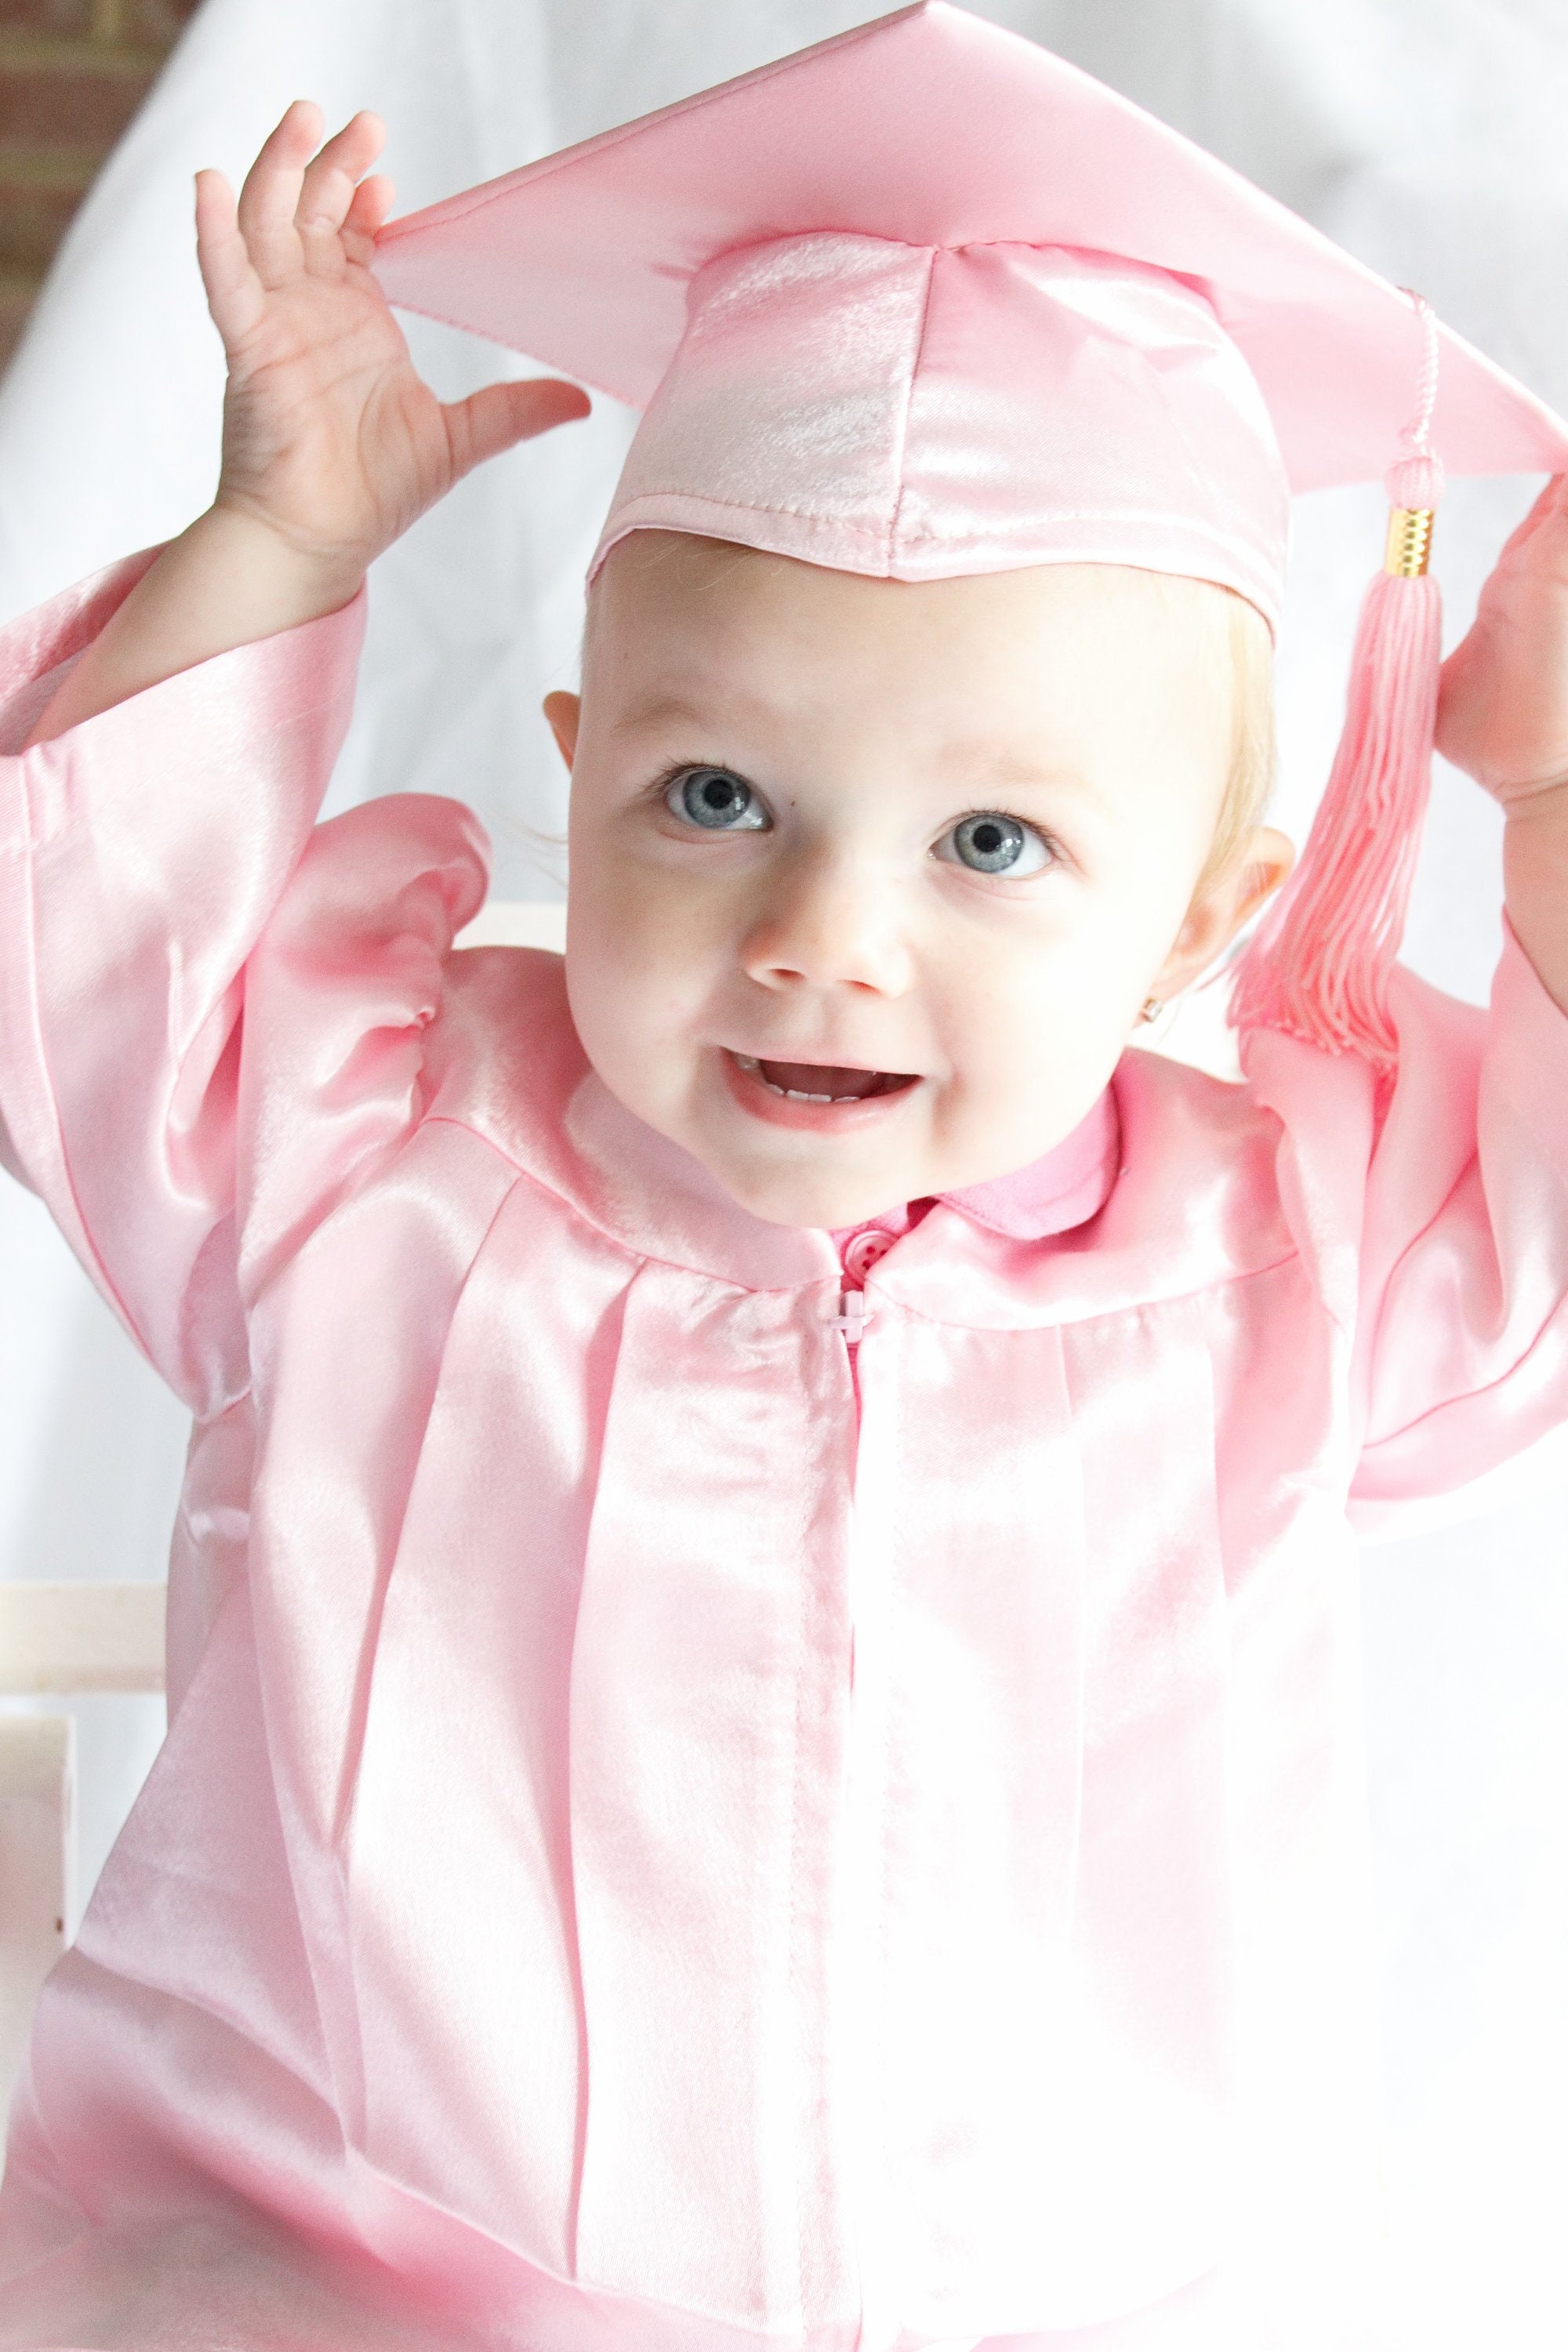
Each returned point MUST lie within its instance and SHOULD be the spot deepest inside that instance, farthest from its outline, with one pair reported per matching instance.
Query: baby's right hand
(332, 443)
(331, 438)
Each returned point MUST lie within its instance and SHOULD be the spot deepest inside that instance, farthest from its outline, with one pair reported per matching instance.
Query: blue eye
(990, 843)
(713, 797)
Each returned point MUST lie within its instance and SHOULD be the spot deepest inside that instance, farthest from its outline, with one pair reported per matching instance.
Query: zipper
(851, 1319)
(864, 1249)
(858, 1906)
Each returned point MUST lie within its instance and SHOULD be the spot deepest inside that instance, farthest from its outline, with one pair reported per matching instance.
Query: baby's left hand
(1502, 706)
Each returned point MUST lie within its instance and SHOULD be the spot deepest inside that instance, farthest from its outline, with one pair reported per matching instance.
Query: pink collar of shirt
(1063, 1189)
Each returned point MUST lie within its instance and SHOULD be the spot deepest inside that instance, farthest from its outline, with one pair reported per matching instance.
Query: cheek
(1035, 1021)
(1040, 980)
(638, 969)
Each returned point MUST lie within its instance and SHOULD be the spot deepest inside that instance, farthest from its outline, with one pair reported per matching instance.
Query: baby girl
(762, 1630)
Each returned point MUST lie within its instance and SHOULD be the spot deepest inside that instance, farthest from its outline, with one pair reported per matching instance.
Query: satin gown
(692, 1819)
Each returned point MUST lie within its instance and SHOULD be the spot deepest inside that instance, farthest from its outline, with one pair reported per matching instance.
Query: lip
(818, 1119)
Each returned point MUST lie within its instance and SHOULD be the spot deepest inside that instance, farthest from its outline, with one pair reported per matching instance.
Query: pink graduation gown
(671, 1838)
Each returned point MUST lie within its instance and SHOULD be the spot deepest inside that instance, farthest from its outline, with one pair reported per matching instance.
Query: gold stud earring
(1153, 1008)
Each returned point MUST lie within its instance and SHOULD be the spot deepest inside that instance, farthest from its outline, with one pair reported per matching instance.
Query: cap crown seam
(900, 479)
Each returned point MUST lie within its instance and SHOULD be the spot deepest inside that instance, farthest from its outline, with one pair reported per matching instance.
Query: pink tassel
(1319, 966)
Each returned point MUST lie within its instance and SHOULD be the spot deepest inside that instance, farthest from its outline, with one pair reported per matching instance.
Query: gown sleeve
(1449, 1274)
(142, 854)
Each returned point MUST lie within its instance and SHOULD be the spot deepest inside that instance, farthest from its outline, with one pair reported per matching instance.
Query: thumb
(504, 413)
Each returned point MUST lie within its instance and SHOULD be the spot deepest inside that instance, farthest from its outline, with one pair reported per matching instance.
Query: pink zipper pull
(852, 1317)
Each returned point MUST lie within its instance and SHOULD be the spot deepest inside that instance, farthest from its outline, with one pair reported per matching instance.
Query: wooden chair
(56, 1640)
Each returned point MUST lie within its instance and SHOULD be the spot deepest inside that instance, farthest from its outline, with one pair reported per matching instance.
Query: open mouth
(824, 1082)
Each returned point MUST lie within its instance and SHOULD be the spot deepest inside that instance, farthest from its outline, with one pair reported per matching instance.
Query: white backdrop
(1426, 135)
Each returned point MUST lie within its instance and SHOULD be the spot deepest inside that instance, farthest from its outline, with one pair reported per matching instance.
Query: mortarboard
(925, 300)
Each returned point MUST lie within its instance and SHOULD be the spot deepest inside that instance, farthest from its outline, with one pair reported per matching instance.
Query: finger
(271, 191)
(1551, 506)
(1552, 500)
(235, 294)
(504, 413)
(327, 190)
(373, 200)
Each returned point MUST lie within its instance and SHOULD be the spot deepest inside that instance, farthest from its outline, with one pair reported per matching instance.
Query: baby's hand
(1502, 709)
(332, 444)
(330, 437)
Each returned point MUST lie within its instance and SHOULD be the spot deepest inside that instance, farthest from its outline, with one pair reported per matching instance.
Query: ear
(1222, 906)
(564, 711)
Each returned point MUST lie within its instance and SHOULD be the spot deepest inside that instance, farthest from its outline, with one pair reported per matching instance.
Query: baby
(696, 1815)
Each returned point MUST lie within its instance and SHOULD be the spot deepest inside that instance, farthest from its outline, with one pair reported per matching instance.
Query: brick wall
(72, 73)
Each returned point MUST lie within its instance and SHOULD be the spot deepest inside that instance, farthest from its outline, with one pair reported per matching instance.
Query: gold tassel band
(1410, 542)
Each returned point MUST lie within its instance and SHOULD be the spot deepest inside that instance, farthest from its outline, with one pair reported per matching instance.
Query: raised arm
(332, 444)
(1464, 1272)
(178, 721)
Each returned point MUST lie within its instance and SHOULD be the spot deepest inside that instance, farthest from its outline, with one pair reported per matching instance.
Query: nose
(829, 921)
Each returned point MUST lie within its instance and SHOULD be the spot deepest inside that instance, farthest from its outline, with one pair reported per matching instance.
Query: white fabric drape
(1426, 136)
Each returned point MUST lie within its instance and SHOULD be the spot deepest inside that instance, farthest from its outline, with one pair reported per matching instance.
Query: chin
(781, 1198)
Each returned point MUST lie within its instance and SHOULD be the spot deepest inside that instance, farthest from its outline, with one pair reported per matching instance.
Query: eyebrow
(669, 706)
(1012, 768)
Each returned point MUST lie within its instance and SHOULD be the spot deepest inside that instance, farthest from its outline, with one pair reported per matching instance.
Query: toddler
(762, 1626)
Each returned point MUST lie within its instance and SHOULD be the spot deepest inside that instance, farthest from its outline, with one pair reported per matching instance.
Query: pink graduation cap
(925, 300)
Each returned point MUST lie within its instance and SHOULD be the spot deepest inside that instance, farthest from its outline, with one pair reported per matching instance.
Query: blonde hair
(1249, 783)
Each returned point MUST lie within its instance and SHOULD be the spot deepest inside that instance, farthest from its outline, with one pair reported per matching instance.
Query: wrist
(227, 580)
(282, 578)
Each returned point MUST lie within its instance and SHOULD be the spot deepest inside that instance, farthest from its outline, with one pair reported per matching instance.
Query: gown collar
(1068, 1185)
(1168, 1185)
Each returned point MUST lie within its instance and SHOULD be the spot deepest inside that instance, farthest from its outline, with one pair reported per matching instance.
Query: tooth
(795, 1096)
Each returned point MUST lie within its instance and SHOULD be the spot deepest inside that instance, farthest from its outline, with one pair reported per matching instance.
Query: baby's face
(924, 849)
